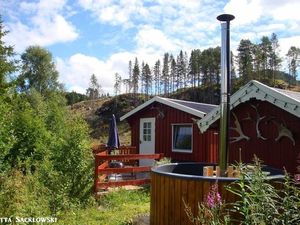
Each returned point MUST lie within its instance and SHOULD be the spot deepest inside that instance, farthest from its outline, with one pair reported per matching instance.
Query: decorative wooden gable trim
(259, 91)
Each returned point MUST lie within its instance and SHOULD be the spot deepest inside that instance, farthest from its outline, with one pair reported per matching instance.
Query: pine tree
(157, 77)
(275, 59)
(182, 69)
(147, 80)
(266, 49)
(245, 60)
(94, 90)
(173, 73)
(135, 76)
(194, 65)
(165, 74)
(293, 62)
(129, 76)
(118, 83)
(142, 78)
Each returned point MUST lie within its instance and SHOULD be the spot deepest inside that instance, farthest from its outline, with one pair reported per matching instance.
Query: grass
(118, 207)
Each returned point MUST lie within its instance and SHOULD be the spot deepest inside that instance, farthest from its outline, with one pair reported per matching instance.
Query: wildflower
(213, 198)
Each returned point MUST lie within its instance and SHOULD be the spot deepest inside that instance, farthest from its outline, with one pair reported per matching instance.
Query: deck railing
(129, 159)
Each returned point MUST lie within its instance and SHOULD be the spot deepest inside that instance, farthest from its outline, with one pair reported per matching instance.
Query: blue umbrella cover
(113, 138)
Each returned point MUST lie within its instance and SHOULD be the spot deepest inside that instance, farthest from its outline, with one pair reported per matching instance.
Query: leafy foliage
(38, 71)
(7, 64)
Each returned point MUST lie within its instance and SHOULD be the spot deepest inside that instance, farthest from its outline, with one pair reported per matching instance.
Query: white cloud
(76, 71)
(282, 10)
(45, 26)
(286, 43)
(108, 11)
(245, 11)
(150, 40)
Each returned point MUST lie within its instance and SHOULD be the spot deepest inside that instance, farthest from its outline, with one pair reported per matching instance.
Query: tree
(181, 70)
(210, 66)
(275, 59)
(7, 65)
(38, 71)
(126, 83)
(135, 76)
(266, 49)
(173, 73)
(245, 60)
(165, 74)
(118, 83)
(147, 80)
(142, 77)
(194, 65)
(293, 61)
(129, 82)
(157, 77)
(94, 91)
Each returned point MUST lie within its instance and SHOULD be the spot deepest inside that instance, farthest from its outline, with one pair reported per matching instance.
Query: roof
(194, 108)
(286, 100)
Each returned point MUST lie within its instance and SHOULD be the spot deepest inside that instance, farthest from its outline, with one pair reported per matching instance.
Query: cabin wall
(205, 146)
(281, 153)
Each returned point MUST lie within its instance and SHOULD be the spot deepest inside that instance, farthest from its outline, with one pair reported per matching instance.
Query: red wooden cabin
(264, 121)
(167, 126)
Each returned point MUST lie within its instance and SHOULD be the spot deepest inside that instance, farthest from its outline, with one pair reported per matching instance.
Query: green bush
(22, 195)
(43, 142)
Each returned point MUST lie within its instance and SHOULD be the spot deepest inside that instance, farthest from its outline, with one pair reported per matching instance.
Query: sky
(99, 37)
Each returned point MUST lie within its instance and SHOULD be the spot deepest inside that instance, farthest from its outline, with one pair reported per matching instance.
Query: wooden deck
(127, 155)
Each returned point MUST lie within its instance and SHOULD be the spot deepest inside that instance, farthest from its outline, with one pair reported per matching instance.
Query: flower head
(213, 198)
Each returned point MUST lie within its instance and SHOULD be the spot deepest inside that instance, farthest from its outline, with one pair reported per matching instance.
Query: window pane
(147, 131)
(182, 137)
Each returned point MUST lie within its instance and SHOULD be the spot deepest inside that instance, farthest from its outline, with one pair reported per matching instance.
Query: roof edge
(167, 102)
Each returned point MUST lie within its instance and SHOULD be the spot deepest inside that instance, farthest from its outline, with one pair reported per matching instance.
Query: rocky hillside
(97, 114)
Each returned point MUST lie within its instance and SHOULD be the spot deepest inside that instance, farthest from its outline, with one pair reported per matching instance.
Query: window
(147, 131)
(182, 138)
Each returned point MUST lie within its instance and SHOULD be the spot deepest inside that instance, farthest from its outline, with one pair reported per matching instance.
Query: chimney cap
(225, 17)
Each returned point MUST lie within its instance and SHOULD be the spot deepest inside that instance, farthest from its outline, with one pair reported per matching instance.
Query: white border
(182, 150)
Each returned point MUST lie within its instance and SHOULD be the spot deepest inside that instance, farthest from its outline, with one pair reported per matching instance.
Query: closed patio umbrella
(113, 138)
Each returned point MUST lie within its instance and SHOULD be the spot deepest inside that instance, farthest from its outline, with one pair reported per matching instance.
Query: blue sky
(100, 36)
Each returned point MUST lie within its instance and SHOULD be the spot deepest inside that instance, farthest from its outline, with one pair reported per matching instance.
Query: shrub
(22, 195)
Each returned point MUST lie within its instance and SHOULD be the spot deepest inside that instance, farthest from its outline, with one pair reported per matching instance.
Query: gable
(286, 100)
(193, 108)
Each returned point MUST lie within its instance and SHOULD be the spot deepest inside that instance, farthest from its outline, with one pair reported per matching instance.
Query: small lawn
(118, 207)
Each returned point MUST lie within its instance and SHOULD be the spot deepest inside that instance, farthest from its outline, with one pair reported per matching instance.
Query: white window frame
(182, 150)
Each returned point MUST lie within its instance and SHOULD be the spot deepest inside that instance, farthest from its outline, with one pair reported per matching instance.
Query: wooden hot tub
(173, 183)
